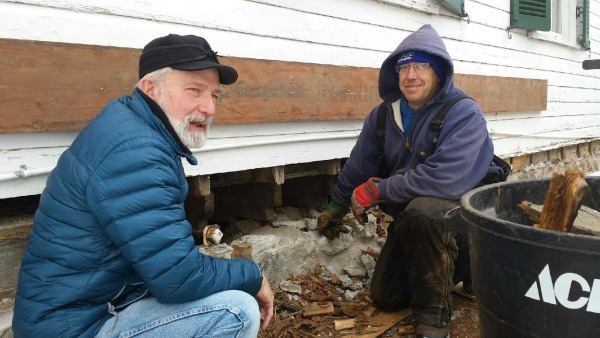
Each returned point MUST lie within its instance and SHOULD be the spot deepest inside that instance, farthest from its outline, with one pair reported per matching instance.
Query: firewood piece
(587, 221)
(318, 309)
(530, 211)
(341, 324)
(381, 323)
(562, 201)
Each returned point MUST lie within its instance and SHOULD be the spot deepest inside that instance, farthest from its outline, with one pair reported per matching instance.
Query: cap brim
(227, 75)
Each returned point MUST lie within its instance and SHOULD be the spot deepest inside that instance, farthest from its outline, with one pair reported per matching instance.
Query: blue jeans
(224, 314)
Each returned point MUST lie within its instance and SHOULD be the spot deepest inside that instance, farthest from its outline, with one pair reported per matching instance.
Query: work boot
(428, 331)
(468, 287)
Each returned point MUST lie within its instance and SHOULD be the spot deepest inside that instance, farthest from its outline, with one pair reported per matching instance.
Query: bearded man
(111, 252)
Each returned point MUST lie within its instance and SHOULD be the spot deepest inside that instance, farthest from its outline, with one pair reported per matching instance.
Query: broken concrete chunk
(221, 250)
(350, 295)
(356, 286)
(346, 281)
(337, 245)
(288, 286)
(313, 214)
(311, 224)
(355, 268)
(369, 263)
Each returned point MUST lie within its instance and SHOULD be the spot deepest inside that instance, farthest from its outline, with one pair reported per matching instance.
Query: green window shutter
(455, 6)
(585, 33)
(530, 14)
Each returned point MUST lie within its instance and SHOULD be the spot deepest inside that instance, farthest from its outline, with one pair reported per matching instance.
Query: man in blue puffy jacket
(111, 253)
(416, 265)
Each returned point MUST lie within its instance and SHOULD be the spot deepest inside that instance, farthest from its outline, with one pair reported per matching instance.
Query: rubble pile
(321, 305)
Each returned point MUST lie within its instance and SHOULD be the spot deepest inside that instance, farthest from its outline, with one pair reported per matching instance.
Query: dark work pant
(417, 262)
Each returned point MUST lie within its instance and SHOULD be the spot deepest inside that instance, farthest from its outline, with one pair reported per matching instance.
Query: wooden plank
(505, 94)
(48, 86)
(381, 323)
(57, 87)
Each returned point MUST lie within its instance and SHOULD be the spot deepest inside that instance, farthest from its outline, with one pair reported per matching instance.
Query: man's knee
(245, 303)
(431, 207)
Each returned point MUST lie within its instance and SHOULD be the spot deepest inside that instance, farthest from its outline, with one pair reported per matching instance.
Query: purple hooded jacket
(463, 155)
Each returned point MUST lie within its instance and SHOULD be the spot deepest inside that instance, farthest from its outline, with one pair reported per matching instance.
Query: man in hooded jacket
(111, 252)
(416, 265)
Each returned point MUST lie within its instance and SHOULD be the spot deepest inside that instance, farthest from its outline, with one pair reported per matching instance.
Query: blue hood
(427, 40)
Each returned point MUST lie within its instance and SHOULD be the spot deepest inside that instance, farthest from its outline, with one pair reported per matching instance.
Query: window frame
(567, 21)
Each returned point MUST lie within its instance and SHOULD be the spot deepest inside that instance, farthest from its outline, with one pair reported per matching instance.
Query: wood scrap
(341, 324)
(587, 221)
(562, 201)
(318, 309)
(369, 312)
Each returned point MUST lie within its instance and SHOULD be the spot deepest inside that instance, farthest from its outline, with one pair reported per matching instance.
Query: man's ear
(149, 87)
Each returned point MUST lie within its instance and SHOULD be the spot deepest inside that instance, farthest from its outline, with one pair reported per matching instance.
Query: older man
(111, 252)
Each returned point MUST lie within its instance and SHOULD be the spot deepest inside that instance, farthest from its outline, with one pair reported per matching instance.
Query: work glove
(364, 197)
(329, 222)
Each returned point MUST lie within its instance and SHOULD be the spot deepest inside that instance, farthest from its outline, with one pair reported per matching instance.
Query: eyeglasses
(418, 67)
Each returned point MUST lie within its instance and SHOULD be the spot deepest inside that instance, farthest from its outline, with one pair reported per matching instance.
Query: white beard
(191, 139)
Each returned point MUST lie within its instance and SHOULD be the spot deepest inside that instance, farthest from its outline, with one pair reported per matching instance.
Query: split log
(562, 201)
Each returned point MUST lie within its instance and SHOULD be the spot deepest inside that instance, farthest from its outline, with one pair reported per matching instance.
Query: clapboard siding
(354, 33)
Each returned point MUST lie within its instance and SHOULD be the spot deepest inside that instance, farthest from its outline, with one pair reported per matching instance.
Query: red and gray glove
(364, 197)
(329, 222)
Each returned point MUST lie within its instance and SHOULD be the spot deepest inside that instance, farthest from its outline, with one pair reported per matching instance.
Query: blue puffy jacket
(464, 150)
(111, 229)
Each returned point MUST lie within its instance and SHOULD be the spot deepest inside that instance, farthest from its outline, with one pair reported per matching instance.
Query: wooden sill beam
(49, 86)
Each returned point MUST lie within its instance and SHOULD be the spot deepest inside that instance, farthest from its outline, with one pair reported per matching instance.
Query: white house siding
(337, 32)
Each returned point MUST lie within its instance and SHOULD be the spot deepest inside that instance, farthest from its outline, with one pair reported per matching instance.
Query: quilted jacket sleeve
(137, 195)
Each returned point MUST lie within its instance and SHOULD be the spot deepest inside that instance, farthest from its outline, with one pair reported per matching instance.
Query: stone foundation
(584, 156)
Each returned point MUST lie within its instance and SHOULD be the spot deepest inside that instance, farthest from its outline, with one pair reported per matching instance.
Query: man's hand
(265, 299)
(329, 221)
(364, 197)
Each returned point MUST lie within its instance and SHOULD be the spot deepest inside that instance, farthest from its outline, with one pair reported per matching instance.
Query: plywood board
(49, 86)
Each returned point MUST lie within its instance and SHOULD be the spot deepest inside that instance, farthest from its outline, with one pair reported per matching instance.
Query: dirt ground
(318, 308)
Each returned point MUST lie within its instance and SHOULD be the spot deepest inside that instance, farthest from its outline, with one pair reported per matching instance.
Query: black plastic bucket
(531, 282)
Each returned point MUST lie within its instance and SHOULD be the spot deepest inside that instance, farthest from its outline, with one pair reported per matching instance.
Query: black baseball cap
(183, 52)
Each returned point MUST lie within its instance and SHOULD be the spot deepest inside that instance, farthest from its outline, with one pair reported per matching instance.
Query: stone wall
(583, 156)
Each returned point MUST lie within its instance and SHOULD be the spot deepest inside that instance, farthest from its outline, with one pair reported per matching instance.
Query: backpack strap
(381, 116)
(436, 126)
